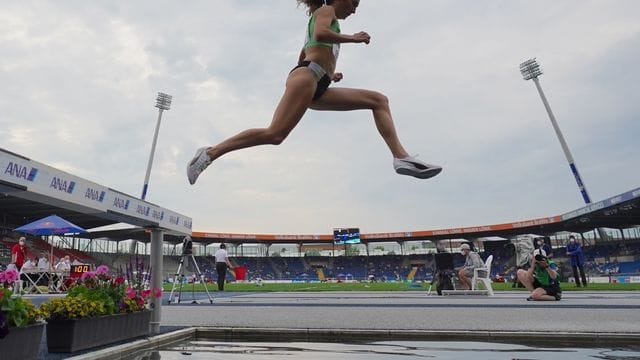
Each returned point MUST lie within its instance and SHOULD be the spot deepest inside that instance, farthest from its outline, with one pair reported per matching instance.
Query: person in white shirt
(222, 263)
(64, 264)
(30, 264)
(43, 263)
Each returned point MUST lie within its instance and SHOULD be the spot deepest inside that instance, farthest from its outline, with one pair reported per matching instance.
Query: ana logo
(21, 171)
(62, 185)
(158, 215)
(121, 203)
(175, 220)
(95, 195)
(143, 210)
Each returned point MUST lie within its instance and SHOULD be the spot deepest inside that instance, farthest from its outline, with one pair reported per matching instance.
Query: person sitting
(30, 265)
(541, 279)
(64, 264)
(43, 263)
(473, 260)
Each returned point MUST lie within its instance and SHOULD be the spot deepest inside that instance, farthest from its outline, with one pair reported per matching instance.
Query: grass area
(311, 287)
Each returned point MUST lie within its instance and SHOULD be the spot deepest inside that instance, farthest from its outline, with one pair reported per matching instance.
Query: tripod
(179, 276)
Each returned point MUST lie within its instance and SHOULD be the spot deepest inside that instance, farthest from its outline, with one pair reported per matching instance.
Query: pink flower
(102, 270)
(130, 293)
(2, 277)
(140, 302)
(157, 293)
(87, 275)
(11, 275)
(119, 280)
(146, 293)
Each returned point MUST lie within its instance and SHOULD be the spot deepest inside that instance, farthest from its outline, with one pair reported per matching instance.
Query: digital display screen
(343, 236)
(77, 270)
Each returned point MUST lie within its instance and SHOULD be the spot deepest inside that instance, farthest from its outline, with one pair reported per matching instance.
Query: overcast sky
(79, 81)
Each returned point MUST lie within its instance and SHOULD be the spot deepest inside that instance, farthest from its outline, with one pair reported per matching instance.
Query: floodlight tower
(163, 102)
(531, 71)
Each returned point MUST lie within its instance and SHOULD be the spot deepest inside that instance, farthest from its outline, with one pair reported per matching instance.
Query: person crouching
(541, 279)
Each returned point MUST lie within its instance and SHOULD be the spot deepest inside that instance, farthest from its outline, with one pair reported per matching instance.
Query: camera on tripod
(187, 246)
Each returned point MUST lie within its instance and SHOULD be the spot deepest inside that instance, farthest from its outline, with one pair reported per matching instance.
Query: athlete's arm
(302, 56)
(322, 31)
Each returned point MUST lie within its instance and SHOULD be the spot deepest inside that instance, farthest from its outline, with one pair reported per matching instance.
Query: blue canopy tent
(51, 225)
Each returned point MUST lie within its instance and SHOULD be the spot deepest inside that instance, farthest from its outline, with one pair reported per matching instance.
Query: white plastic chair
(486, 279)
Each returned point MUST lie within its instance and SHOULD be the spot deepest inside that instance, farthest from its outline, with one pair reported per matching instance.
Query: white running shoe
(196, 166)
(411, 166)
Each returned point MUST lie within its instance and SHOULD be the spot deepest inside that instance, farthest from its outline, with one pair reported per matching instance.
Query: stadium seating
(601, 260)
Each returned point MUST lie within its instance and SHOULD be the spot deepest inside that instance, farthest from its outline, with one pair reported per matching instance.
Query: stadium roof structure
(30, 190)
(618, 212)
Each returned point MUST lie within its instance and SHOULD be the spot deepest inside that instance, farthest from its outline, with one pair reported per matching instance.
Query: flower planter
(74, 335)
(22, 342)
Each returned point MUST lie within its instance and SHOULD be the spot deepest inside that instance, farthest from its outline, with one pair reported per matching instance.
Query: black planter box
(74, 335)
(22, 342)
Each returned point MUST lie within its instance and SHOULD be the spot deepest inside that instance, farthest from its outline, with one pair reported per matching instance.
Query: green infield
(379, 286)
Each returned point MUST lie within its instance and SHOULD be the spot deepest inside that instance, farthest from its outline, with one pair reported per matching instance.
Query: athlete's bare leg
(299, 91)
(345, 99)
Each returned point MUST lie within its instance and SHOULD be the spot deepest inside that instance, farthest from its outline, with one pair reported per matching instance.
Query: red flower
(146, 293)
(130, 293)
(119, 280)
(157, 293)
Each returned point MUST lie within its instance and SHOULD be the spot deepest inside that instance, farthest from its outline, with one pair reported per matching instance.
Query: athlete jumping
(307, 87)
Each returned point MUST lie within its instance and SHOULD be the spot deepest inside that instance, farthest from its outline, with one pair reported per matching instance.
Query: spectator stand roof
(30, 190)
(618, 212)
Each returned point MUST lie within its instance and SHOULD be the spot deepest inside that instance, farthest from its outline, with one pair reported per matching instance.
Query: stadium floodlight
(163, 102)
(530, 70)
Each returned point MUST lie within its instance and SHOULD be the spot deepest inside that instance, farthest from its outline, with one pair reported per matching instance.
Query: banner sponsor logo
(143, 210)
(157, 214)
(20, 171)
(63, 185)
(121, 203)
(186, 223)
(174, 220)
(95, 195)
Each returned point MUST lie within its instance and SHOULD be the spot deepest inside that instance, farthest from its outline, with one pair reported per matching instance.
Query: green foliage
(105, 295)
(17, 311)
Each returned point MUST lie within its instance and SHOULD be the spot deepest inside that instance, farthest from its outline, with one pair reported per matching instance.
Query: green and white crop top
(310, 41)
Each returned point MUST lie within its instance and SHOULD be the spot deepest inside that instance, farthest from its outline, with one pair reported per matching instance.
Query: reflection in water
(405, 350)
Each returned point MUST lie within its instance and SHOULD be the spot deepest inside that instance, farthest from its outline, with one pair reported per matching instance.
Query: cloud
(80, 80)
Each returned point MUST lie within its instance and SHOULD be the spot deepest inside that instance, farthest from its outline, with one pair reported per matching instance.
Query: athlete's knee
(275, 137)
(379, 100)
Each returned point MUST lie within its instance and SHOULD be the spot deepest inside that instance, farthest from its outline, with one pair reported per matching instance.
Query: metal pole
(563, 143)
(156, 279)
(153, 149)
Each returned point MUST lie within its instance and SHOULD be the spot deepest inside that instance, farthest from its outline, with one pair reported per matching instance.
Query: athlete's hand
(361, 37)
(337, 77)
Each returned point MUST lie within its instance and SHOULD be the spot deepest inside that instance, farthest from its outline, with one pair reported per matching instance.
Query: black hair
(223, 246)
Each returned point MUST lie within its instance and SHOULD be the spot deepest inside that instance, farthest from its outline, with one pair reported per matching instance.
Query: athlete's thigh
(344, 99)
(294, 102)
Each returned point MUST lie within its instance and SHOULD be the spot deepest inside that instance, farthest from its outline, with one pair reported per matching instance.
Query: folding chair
(486, 278)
